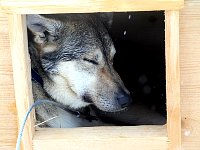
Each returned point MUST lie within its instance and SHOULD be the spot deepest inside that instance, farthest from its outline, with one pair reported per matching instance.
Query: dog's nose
(124, 99)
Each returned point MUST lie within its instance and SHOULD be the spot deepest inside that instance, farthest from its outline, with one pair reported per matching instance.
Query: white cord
(38, 102)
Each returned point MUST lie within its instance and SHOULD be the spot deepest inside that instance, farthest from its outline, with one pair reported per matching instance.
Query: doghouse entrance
(139, 137)
(139, 60)
(139, 39)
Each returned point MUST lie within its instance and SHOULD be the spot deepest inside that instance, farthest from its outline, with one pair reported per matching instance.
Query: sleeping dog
(72, 64)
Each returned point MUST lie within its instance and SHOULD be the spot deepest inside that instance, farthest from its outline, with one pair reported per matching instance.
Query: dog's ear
(40, 27)
(107, 18)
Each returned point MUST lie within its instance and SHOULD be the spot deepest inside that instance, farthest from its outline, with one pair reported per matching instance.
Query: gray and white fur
(73, 54)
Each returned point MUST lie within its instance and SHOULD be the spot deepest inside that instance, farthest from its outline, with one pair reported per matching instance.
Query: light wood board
(173, 79)
(8, 117)
(21, 75)
(102, 138)
(190, 74)
(190, 80)
(79, 6)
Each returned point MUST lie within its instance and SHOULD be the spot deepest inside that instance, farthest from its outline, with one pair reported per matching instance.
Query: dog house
(182, 79)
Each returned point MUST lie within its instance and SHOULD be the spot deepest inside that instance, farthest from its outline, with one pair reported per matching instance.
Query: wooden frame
(154, 137)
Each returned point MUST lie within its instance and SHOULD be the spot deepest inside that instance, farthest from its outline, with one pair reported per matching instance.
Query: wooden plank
(8, 117)
(173, 79)
(190, 81)
(190, 74)
(21, 74)
(102, 138)
(80, 6)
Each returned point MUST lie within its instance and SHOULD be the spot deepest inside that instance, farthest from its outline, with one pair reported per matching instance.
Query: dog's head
(76, 54)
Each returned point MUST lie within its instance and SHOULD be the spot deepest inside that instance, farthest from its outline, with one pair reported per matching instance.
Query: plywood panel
(21, 75)
(102, 138)
(173, 79)
(190, 80)
(190, 74)
(75, 6)
(8, 119)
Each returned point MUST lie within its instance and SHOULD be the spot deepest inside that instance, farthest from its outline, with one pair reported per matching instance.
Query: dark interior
(139, 39)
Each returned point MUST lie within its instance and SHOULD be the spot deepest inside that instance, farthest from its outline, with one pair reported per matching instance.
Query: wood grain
(80, 6)
(21, 74)
(8, 117)
(190, 74)
(190, 81)
(102, 138)
(173, 79)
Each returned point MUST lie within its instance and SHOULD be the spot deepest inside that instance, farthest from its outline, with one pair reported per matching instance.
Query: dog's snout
(124, 99)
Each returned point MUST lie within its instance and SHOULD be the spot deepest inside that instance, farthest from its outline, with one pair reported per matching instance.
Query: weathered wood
(8, 117)
(173, 79)
(102, 138)
(80, 6)
(190, 74)
(21, 74)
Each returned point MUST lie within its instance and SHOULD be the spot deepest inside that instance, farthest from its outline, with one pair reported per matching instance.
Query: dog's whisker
(45, 121)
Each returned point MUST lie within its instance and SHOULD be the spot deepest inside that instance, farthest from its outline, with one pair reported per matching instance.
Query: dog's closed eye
(91, 61)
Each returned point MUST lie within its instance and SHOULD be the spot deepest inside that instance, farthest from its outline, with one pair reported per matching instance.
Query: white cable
(38, 102)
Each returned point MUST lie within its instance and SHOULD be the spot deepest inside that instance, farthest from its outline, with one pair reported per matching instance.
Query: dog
(72, 59)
